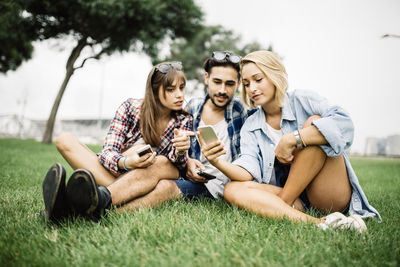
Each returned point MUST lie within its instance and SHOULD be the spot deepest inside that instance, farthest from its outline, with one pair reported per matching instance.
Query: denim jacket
(258, 151)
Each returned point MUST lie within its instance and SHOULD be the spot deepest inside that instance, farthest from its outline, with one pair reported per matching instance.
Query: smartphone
(205, 175)
(208, 133)
(144, 150)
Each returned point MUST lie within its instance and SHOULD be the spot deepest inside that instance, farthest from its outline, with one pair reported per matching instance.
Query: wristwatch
(299, 143)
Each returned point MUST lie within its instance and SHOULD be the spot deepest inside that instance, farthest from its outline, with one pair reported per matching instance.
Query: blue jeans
(191, 190)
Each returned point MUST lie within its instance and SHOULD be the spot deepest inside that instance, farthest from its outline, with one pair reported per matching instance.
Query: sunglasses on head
(221, 55)
(165, 67)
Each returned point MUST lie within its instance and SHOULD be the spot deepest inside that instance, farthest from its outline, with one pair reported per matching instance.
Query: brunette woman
(157, 120)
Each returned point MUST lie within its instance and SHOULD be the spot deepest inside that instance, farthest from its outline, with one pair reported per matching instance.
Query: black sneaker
(55, 199)
(85, 197)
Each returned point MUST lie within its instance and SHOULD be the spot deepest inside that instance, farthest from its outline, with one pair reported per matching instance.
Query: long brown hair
(151, 107)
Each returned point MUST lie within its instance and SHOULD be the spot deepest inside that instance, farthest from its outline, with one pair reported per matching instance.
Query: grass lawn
(182, 233)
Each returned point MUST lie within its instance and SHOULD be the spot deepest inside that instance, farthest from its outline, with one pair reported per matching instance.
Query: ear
(206, 77)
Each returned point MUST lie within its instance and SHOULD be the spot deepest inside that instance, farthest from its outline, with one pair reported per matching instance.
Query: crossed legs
(142, 187)
(324, 179)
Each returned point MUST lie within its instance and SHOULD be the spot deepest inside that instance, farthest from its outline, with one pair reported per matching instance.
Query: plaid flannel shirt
(235, 115)
(124, 132)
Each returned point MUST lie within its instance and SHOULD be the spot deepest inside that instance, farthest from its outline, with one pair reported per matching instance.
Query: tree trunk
(48, 134)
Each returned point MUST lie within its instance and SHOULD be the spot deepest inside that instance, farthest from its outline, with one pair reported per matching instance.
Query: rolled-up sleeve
(115, 139)
(249, 158)
(335, 125)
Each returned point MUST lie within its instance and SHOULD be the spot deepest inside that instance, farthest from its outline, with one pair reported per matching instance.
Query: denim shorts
(191, 190)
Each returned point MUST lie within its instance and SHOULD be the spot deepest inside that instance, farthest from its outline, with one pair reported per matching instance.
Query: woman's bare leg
(262, 199)
(79, 156)
(324, 178)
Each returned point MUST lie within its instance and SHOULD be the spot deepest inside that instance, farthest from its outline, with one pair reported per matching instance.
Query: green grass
(182, 233)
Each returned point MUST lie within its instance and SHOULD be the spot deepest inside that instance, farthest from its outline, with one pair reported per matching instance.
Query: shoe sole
(52, 186)
(82, 192)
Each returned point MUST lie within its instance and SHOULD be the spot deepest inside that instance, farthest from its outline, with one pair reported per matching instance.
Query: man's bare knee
(163, 168)
(162, 160)
(169, 187)
(311, 119)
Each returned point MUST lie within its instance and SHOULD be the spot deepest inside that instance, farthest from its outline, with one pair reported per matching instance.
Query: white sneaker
(357, 223)
(338, 220)
(335, 219)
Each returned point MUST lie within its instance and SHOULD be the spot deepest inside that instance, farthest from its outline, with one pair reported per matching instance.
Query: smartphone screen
(208, 133)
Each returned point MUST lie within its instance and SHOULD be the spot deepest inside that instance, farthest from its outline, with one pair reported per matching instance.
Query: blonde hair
(272, 67)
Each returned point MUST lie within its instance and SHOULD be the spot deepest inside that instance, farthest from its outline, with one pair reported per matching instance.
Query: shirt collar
(260, 122)
(287, 113)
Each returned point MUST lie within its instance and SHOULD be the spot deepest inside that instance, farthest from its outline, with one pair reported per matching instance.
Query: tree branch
(76, 52)
(97, 56)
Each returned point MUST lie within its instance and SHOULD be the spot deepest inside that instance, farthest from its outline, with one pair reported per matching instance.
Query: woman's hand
(191, 175)
(181, 141)
(212, 150)
(134, 161)
(284, 151)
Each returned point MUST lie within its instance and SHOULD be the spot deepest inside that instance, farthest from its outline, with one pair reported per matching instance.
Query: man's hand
(191, 175)
(181, 141)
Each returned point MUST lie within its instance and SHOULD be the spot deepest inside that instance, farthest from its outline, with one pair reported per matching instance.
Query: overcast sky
(333, 47)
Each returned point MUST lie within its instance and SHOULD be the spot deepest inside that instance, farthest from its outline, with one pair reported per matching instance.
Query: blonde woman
(292, 152)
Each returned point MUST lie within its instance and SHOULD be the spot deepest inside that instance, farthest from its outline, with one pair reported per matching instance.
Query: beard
(219, 95)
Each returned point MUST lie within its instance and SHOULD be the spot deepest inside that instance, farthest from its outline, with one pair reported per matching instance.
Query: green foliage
(184, 233)
(105, 25)
(193, 51)
(16, 36)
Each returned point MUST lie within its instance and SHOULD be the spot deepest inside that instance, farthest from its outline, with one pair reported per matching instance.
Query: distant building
(89, 131)
(389, 146)
(393, 145)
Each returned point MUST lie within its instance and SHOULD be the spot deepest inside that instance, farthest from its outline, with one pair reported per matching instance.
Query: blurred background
(347, 51)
